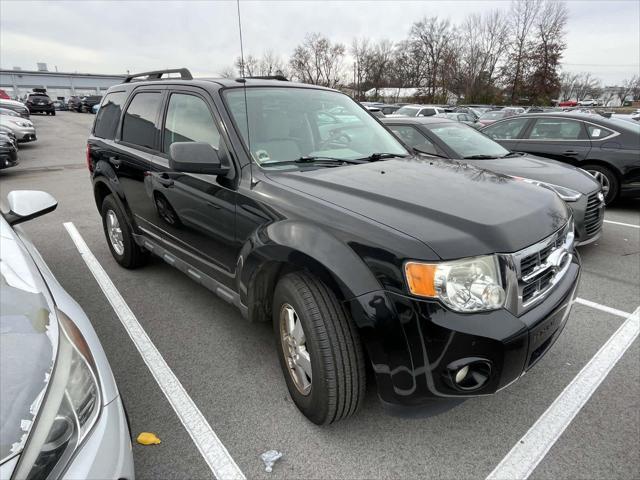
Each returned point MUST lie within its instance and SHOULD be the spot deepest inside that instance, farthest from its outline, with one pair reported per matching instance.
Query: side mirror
(196, 157)
(27, 204)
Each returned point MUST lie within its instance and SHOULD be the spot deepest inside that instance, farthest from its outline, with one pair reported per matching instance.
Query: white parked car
(418, 111)
(22, 128)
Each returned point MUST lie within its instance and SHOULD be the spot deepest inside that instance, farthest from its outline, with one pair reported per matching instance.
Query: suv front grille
(539, 267)
(593, 215)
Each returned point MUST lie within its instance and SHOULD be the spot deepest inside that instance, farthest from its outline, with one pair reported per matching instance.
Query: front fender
(306, 245)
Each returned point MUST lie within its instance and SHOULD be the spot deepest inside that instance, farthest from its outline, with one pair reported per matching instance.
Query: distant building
(17, 83)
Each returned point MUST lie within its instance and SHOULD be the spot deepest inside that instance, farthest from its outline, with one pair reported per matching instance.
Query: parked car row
(14, 129)
(83, 104)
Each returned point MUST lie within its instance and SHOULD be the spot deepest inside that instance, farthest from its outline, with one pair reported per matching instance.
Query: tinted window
(506, 130)
(109, 115)
(189, 120)
(556, 129)
(413, 138)
(596, 132)
(138, 126)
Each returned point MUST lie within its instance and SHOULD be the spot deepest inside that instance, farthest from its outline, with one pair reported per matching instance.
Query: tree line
(508, 56)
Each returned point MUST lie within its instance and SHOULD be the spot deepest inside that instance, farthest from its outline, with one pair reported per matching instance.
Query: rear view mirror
(27, 204)
(196, 157)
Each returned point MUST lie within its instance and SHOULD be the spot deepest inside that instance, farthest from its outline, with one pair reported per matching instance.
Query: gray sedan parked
(445, 138)
(60, 412)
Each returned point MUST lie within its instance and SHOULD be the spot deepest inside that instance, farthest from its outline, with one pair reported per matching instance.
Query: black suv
(39, 102)
(446, 279)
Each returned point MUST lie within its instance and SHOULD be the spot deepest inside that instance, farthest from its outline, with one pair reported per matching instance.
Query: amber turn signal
(420, 278)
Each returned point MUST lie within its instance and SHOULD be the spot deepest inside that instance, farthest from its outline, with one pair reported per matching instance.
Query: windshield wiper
(313, 160)
(374, 157)
(480, 157)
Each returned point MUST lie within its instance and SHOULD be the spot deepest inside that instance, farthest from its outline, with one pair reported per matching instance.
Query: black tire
(133, 255)
(53, 113)
(337, 361)
(611, 177)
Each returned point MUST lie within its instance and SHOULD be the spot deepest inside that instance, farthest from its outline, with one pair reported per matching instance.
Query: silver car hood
(28, 342)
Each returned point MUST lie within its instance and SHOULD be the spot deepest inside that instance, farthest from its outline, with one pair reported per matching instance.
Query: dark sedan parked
(607, 148)
(446, 138)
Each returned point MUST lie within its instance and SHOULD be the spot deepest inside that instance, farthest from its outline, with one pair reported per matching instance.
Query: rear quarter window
(597, 132)
(109, 115)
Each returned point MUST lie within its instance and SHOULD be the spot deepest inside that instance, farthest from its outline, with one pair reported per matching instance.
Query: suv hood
(456, 209)
(542, 169)
(28, 341)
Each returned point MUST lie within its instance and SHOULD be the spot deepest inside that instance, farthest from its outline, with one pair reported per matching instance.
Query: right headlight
(466, 285)
(69, 410)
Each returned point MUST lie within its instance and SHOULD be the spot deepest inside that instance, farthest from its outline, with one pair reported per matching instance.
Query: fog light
(462, 373)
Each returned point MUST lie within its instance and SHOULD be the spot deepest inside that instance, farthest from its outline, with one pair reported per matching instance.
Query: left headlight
(69, 410)
(566, 194)
(467, 285)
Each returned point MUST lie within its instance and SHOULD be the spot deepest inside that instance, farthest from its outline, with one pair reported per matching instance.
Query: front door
(196, 213)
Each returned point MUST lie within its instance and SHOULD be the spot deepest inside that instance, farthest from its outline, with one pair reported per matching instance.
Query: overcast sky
(115, 36)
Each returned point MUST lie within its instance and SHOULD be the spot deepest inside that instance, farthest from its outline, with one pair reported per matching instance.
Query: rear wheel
(119, 236)
(53, 112)
(608, 180)
(319, 349)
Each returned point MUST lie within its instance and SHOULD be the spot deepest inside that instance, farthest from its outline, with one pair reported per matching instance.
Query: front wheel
(608, 180)
(319, 349)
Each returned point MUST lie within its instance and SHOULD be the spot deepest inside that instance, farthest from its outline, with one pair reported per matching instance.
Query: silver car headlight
(69, 410)
(566, 194)
(466, 285)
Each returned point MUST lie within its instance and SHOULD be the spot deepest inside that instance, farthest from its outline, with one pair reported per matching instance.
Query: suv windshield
(287, 123)
(466, 141)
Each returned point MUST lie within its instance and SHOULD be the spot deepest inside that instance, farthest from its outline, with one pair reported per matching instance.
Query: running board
(225, 293)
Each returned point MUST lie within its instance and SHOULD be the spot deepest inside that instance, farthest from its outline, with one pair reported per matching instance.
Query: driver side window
(412, 137)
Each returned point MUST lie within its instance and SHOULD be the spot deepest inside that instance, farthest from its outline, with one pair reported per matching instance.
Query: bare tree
(549, 26)
(568, 85)
(523, 14)
(629, 88)
(228, 72)
(317, 61)
(587, 86)
(249, 67)
(360, 51)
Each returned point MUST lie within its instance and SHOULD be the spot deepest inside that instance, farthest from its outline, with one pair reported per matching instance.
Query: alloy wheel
(295, 350)
(115, 232)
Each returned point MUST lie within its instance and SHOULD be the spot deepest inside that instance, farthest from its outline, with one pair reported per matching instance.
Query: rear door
(563, 139)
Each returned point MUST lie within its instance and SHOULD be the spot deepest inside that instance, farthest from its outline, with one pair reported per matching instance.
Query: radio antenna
(244, 83)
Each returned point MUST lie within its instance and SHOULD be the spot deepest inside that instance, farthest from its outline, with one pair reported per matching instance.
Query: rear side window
(189, 120)
(138, 126)
(507, 130)
(596, 132)
(556, 129)
(109, 115)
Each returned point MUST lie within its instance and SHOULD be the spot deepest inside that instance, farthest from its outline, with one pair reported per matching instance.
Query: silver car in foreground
(61, 415)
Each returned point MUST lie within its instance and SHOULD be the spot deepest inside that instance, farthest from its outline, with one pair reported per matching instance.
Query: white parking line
(623, 224)
(534, 445)
(604, 308)
(211, 448)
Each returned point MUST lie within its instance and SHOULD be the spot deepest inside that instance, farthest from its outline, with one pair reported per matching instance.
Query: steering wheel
(337, 138)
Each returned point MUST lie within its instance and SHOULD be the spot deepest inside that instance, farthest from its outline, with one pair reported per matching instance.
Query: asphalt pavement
(229, 368)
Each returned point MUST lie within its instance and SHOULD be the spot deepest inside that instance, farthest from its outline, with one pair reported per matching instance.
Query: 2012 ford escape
(293, 203)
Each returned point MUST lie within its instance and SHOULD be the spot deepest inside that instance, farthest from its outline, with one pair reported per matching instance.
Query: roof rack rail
(282, 78)
(185, 74)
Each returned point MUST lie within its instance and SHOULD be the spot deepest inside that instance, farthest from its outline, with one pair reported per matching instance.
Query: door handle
(570, 152)
(165, 180)
(115, 161)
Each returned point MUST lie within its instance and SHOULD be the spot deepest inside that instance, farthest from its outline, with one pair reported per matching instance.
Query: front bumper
(412, 343)
(25, 134)
(588, 220)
